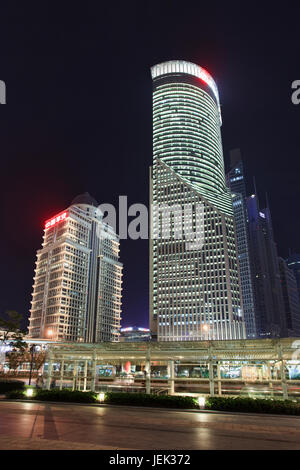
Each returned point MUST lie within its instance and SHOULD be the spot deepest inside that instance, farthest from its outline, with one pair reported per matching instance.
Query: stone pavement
(29, 425)
(25, 443)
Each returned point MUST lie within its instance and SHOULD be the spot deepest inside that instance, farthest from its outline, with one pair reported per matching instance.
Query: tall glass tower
(236, 182)
(293, 263)
(267, 288)
(194, 292)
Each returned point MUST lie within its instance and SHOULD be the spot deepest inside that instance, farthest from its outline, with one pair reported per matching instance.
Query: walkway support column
(85, 375)
(211, 373)
(282, 374)
(62, 365)
(283, 381)
(219, 378)
(75, 372)
(148, 370)
(93, 379)
(50, 370)
(270, 378)
(171, 380)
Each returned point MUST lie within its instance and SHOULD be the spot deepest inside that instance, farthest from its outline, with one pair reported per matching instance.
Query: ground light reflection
(27, 425)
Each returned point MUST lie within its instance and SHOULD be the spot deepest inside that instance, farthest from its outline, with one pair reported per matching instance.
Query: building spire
(235, 157)
(254, 184)
(267, 201)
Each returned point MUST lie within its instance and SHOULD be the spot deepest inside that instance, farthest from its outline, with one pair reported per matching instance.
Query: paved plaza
(68, 426)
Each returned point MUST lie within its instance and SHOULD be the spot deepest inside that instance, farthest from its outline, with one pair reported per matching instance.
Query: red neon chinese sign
(58, 218)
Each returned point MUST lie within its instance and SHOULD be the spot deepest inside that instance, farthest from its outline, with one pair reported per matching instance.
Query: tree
(16, 357)
(39, 359)
(10, 330)
(11, 334)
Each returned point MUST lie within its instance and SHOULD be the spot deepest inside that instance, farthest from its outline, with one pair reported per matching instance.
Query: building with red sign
(194, 288)
(78, 277)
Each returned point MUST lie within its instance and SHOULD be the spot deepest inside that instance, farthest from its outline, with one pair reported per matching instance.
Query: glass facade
(194, 293)
(293, 262)
(269, 305)
(290, 299)
(236, 182)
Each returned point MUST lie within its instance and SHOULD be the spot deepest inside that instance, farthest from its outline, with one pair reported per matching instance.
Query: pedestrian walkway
(23, 443)
(36, 425)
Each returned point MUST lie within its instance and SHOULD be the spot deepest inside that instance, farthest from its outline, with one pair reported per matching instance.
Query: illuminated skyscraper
(78, 277)
(236, 182)
(134, 334)
(293, 263)
(194, 292)
(290, 299)
(269, 305)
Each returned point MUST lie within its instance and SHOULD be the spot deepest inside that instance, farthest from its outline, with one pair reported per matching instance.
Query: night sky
(79, 115)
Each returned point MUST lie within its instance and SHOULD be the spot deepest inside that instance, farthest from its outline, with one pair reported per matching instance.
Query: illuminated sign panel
(55, 220)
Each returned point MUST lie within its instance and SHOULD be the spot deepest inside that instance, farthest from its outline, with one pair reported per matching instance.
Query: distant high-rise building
(269, 306)
(293, 263)
(194, 292)
(134, 333)
(236, 182)
(78, 277)
(290, 299)
(235, 178)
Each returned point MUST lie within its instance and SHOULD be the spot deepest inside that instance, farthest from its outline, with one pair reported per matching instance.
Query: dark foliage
(66, 396)
(8, 385)
(143, 399)
(251, 405)
(15, 394)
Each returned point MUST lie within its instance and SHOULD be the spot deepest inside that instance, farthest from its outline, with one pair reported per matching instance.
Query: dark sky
(79, 114)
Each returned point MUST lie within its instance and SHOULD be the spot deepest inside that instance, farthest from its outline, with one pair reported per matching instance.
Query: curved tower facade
(194, 292)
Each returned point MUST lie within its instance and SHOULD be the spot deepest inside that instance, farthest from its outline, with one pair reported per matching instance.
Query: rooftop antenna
(255, 191)
(254, 184)
(235, 157)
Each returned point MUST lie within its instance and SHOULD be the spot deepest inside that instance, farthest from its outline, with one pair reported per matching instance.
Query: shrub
(15, 394)
(55, 395)
(251, 405)
(143, 399)
(8, 385)
(119, 398)
(66, 396)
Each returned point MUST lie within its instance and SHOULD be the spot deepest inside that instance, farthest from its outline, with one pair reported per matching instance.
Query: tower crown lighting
(182, 66)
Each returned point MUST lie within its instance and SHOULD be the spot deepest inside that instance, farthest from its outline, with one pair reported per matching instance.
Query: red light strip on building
(55, 220)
